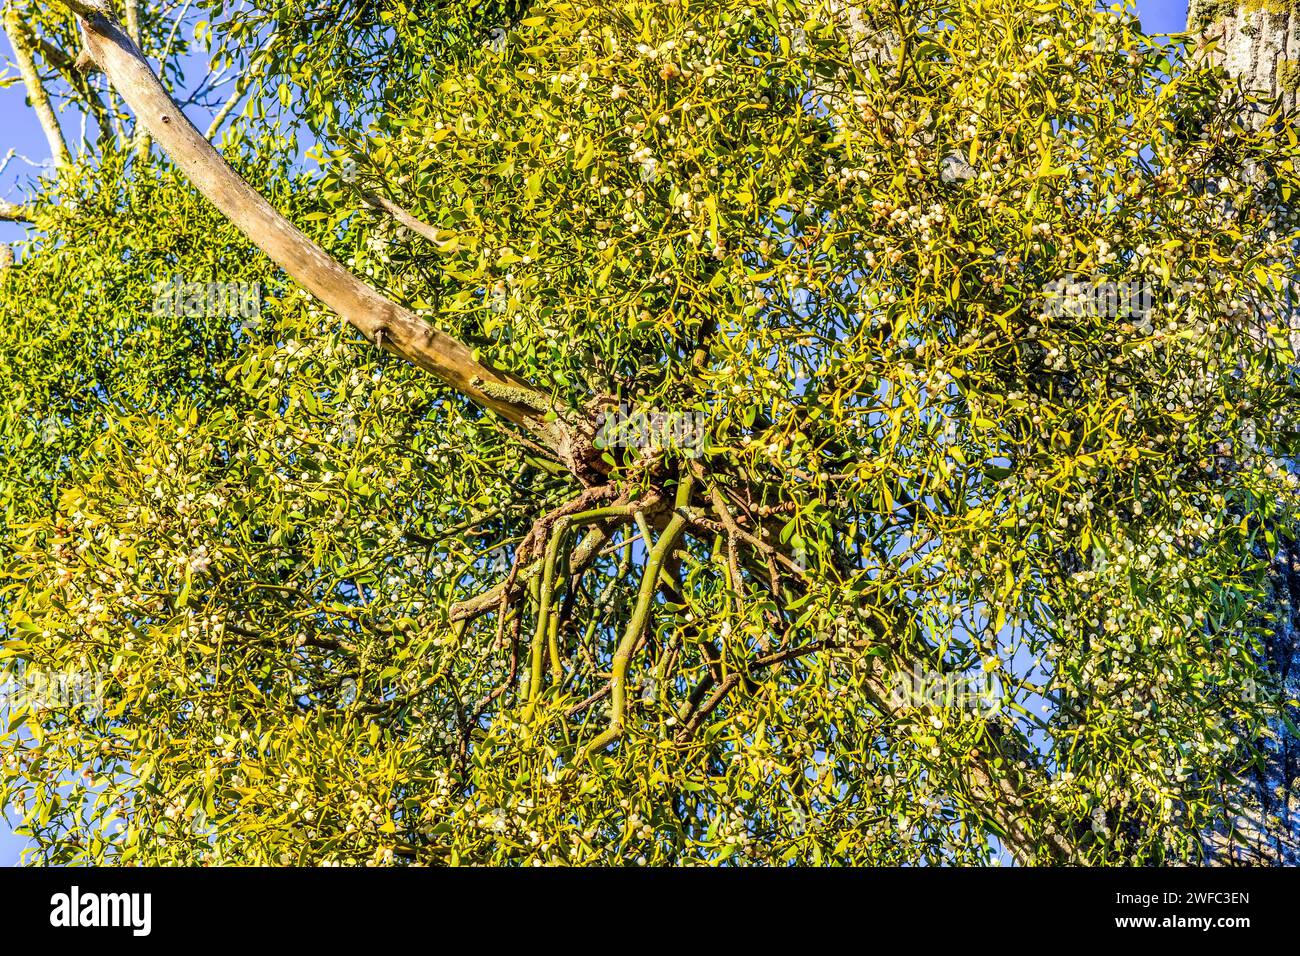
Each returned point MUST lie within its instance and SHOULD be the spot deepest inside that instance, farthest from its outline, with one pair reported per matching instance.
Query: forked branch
(640, 619)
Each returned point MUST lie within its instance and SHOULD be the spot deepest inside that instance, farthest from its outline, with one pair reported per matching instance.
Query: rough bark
(1257, 41)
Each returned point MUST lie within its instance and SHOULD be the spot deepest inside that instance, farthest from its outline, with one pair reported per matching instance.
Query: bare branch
(9, 212)
(404, 218)
(133, 31)
(23, 42)
(236, 97)
(75, 72)
(379, 319)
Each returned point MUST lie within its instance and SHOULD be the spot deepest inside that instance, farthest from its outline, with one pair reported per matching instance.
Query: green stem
(545, 619)
(640, 618)
(535, 655)
(553, 646)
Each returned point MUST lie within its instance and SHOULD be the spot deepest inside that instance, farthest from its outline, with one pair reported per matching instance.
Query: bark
(1257, 41)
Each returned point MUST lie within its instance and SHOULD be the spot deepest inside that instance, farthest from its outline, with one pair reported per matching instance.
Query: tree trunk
(1257, 41)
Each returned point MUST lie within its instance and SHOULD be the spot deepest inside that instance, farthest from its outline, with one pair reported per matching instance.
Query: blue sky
(19, 131)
